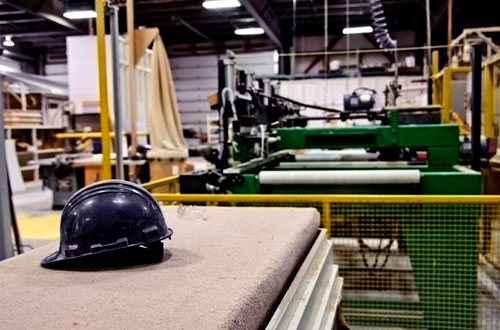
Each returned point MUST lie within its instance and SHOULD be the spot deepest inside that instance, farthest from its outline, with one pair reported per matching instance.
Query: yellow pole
(103, 90)
(435, 62)
(446, 101)
(488, 102)
(435, 82)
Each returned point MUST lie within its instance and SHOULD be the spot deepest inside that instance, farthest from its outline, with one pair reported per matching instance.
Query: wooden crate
(159, 169)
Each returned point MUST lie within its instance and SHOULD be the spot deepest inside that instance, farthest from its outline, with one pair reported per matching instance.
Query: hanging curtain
(165, 129)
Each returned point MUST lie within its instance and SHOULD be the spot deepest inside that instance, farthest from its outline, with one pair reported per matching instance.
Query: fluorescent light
(218, 4)
(249, 31)
(8, 42)
(358, 29)
(80, 14)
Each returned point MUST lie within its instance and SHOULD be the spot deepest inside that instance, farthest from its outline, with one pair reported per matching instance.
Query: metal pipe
(476, 106)
(294, 46)
(325, 41)
(230, 71)
(132, 90)
(5, 237)
(450, 29)
(429, 52)
(117, 99)
(267, 90)
(428, 27)
(103, 90)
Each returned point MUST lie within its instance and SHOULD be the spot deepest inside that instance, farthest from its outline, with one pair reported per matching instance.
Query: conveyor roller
(348, 177)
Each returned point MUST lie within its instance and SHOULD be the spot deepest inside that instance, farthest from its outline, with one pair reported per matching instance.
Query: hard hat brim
(58, 259)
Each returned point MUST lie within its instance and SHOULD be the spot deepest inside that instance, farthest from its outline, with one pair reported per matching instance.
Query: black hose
(311, 106)
(380, 26)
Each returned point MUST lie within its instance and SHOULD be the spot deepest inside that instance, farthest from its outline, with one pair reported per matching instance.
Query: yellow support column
(435, 62)
(103, 90)
(446, 102)
(488, 102)
(325, 219)
(435, 82)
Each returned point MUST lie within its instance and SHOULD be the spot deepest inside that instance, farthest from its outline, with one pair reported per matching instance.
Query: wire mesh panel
(407, 261)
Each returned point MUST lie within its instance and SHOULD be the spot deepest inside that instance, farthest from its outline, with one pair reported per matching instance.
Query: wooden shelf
(33, 127)
(29, 167)
(41, 151)
(90, 135)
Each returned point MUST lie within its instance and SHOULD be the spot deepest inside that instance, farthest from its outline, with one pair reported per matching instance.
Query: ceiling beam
(21, 21)
(51, 10)
(193, 29)
(16, 55)
(265, 17)
(31, 34)
(12, 12)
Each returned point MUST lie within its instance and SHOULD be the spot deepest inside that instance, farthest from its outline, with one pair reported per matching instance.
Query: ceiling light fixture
(357, 30)
(219, 4)
(80, 14)
(249, 31)
(8, 42)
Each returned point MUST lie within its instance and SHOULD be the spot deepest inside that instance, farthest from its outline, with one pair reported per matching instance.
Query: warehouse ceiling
(38, 27)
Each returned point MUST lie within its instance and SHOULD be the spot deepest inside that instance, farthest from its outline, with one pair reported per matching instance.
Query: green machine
(283, 172)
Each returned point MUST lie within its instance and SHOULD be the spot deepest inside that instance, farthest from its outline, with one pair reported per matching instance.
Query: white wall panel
(195, 77)
(330, 92)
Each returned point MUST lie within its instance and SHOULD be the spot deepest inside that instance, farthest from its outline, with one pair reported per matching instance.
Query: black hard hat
(108, 216)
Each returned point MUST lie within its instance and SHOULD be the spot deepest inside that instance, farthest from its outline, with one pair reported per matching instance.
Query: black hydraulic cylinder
(476, 107)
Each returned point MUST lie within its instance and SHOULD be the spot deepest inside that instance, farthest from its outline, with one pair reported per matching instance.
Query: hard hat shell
(108, 216)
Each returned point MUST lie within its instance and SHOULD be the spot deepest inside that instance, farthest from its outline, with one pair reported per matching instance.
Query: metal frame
(441, 83)
(441, 92)
(5, 220)
(117, 93)
(490, 97)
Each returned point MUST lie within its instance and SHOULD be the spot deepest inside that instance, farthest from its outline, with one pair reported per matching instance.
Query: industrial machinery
(391, 156)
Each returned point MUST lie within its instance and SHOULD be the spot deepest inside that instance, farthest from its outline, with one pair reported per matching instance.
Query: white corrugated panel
(195, 77)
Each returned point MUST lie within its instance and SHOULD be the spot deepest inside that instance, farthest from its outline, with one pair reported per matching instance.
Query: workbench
(226, 272)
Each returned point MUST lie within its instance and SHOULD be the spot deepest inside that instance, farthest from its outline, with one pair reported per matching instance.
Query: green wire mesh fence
(406, 262)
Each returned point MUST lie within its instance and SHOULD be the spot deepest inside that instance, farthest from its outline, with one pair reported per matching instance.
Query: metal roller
(361, 177)
(329, 164)
(341, 155)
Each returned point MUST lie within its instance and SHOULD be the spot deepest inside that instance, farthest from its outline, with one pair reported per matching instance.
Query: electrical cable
(311, 106)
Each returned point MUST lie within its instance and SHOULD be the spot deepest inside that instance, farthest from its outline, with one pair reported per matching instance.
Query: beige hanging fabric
(165, 130)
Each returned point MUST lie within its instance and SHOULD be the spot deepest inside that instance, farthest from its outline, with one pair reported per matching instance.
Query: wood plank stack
(22, 117)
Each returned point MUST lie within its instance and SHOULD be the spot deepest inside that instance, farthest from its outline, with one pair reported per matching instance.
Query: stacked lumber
(22, 117)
